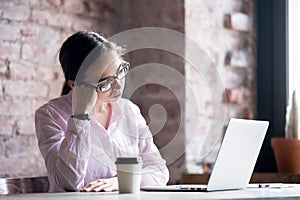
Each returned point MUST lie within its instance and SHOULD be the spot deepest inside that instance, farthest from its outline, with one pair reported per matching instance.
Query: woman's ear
(71, 83)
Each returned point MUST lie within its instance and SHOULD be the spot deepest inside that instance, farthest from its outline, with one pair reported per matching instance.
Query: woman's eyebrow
(102, 79)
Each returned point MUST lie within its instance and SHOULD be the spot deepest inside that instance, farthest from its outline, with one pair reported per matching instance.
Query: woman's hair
(76, 48)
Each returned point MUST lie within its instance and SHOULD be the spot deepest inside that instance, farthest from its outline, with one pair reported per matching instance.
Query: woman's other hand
(102, 185)
(84, 98)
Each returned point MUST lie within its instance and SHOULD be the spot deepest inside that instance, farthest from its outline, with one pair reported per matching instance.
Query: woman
(81, 133)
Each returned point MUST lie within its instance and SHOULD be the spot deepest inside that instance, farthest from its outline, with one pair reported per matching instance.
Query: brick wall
(160, 105)
(32, 31)
(226, 32)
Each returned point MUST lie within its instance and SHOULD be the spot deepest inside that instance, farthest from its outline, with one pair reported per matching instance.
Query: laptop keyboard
(192, 187)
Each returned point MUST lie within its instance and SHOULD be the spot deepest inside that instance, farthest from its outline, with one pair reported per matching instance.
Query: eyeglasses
(106, 84)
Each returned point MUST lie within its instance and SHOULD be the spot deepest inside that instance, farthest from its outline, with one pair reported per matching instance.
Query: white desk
(235, 194)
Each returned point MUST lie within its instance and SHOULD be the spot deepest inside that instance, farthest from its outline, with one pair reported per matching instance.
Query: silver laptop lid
(238, 154)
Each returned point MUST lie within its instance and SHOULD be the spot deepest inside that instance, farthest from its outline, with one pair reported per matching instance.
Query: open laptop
(235, 161)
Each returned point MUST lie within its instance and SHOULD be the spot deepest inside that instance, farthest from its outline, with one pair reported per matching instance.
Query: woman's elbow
(166, 176)
(155, 178)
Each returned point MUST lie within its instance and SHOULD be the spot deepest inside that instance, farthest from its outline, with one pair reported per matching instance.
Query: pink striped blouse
(77, 152)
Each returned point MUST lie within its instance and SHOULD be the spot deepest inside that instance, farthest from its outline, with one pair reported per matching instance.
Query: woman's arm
(155, 171)
(66, 153)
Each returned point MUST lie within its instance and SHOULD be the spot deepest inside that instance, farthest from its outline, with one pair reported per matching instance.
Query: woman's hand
(90, 71)
(104, 185)
(84, 99)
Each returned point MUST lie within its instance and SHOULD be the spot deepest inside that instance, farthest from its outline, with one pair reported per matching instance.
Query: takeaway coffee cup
(129, 174)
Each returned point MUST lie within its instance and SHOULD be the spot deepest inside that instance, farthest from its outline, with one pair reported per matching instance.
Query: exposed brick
(52, 19)
(38, 103)
(229, 40)
(47, 74)
(171, 5)
(239, 111)
(240, 58)
(248, 7)
(1, 92)
(55, 88)
(29, 31)
(4, 70)
(16, 145)
(34, 37)
(63, 36)
(25, 89)
(29, 164)
(230, 6)
(9, 50)
(172, 18)
(33, 143)
(74, 6)
(32, 3)
(139, 19)
(239, 95)
(44, 73)
(170, 106)
(37, 53)
(100, 10)
(2, 149)
(54, 4)
(227, 21)
(227, 24)
(26, 126)
(86, 24)
(15, 107)
(21, 70)
(238, 21)
(14, 12)
(139, 57)
(204, 19)
(173, 61)
(6, 127)
(41, 33)
(234, 77)
(9, 32)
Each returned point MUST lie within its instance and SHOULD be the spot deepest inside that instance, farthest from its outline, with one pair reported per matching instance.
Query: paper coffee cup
(129, 174)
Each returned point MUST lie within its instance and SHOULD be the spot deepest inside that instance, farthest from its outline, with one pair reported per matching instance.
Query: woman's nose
(118, 84)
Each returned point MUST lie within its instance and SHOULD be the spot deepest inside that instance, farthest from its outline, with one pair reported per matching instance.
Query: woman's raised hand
(84, 99)
(84, 96)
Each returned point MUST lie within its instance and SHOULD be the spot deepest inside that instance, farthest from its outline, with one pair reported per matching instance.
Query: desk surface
(287, 193)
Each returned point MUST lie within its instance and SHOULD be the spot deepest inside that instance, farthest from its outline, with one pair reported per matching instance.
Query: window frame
(272, 74)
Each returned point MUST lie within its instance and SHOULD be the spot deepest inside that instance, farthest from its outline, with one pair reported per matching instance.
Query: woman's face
(111, 70)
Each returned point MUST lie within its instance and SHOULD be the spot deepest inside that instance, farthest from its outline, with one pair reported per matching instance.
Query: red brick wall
(31, 33)
(226, 31)
(160, 106)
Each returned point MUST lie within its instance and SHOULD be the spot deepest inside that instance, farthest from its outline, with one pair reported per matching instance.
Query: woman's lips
(116, 94)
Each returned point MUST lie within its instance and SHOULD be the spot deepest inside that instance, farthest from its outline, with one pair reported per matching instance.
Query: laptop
(235, 161)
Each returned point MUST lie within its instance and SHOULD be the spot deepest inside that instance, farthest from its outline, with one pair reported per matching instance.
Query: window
(294, 45)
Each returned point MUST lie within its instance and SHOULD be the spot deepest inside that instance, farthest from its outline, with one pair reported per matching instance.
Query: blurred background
(246, 41)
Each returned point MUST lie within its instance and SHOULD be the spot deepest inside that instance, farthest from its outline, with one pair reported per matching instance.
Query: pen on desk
(275, 185)
(263, 185)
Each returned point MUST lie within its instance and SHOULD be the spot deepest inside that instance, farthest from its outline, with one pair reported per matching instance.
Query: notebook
(235, 161)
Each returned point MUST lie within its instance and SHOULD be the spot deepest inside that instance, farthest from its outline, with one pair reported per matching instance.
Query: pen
(263, 185)
(274, 185)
